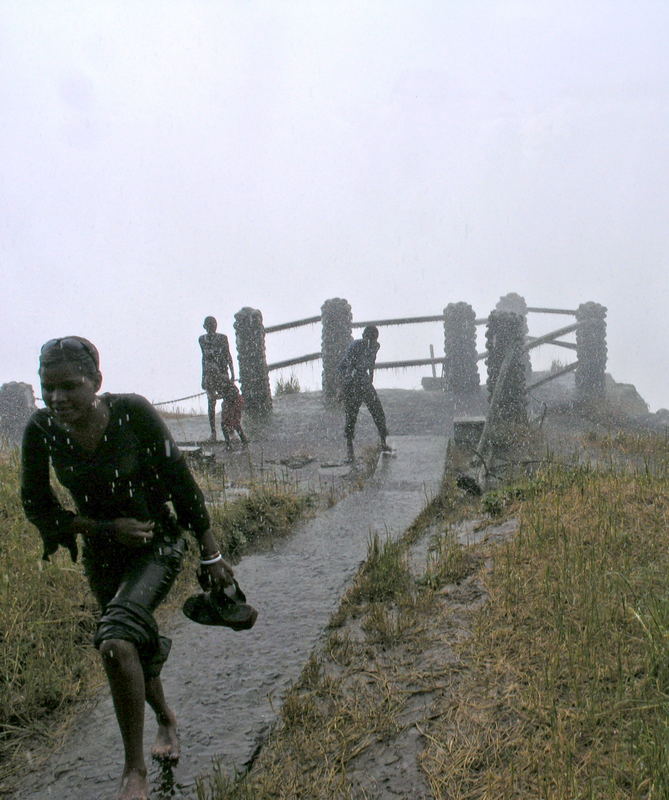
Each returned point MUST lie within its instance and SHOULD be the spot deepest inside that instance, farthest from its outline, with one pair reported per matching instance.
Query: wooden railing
(337, 327)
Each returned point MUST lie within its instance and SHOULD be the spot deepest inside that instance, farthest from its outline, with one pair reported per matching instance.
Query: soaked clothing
(357, 373)
(216, 363)
(129, 589)
(359, 360)
(233, 403)
(135, 470)
(357, 392)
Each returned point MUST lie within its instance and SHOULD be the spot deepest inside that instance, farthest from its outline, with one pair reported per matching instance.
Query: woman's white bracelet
(206, 562)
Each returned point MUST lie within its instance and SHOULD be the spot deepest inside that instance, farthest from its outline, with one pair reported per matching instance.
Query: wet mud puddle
(226, 687)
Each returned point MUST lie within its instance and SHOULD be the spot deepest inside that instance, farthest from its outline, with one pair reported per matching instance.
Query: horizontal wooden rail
(399, 321)
(567, 345)
(297, 324)
(284, 326)
(550, 310)
(290, 362)
(548, 337)
(415, 362)
(553, 376)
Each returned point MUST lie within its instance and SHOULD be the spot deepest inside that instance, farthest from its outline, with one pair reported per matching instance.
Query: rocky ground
(301, 442)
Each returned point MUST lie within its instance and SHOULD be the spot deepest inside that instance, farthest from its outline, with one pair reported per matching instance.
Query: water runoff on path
(226, 687)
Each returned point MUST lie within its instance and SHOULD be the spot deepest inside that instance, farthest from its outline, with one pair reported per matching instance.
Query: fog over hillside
(168, 160)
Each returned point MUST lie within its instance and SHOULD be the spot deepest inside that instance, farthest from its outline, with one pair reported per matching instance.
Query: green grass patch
(290, 385)
(265, 512)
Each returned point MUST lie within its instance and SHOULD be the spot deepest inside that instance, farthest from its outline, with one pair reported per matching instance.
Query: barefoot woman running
(118, 461)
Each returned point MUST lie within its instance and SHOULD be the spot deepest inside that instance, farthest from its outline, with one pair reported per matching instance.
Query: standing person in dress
(357, 374)
(218, 368)
(115, 456)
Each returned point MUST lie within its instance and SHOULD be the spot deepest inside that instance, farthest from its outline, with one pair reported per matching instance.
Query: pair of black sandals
(220, 607)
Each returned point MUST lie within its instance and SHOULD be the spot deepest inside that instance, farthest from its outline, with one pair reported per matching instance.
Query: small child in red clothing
(231, 416)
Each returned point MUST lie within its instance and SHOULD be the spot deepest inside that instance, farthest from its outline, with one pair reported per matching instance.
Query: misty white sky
(162, 161)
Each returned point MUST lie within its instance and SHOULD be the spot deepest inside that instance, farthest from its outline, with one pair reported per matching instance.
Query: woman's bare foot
(134, 785)
(166, 747)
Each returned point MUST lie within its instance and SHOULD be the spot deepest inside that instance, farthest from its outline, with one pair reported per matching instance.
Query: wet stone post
(461, 375)
(336, 334)
(17, 403)
(591, 351)
(516, 303)
(253, 372)
(505, 335)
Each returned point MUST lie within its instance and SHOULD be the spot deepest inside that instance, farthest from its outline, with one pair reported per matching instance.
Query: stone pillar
(17, 403)
(516, 303)
(461, 375)
(253, 374)
(336, 321)
(506, 334)
(591, 352)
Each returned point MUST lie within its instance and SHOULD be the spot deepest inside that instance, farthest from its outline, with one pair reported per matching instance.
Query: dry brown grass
(567, 692)
(46, 621)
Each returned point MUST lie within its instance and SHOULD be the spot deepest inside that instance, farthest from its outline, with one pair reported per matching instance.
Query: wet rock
(17, 403)
(468, 484)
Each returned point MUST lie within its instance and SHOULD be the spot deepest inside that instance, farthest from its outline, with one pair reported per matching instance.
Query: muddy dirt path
(226, 687)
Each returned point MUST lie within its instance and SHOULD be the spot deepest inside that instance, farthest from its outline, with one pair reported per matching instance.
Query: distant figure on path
(218, 368)
(357, 373)
(231, 415)
(115, 456)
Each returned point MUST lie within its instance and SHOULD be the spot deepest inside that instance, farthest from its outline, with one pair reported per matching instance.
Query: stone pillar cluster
(253, 374)
(506, 333)
(461, 375)
(591, 351)
(336, 334)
